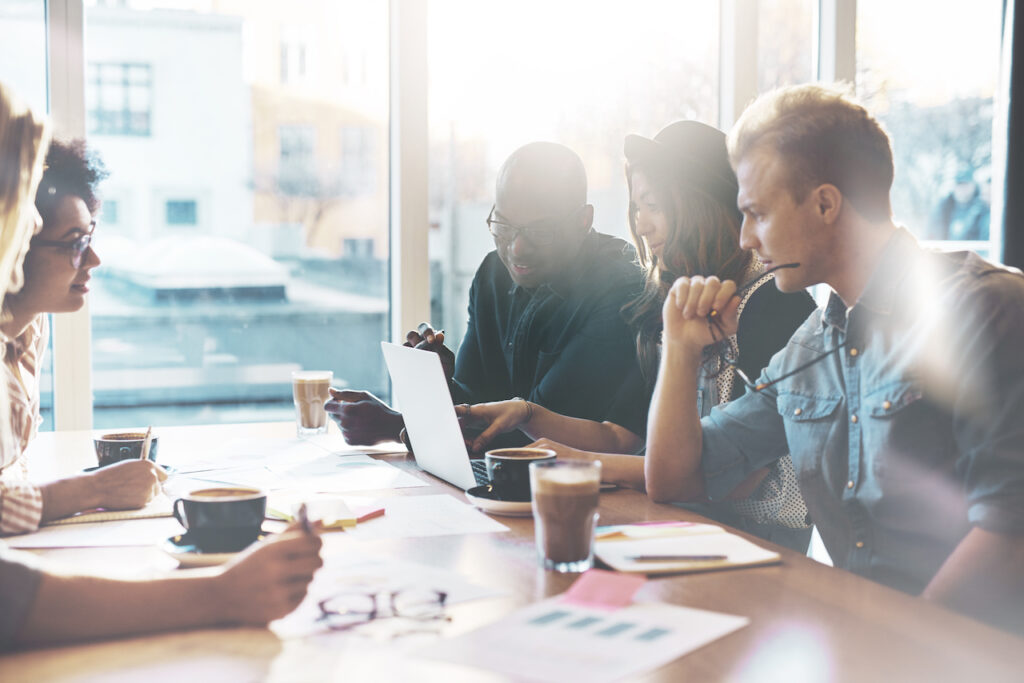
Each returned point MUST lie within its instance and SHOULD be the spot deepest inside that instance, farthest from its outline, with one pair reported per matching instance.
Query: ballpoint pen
(675, 558)
(303, 517)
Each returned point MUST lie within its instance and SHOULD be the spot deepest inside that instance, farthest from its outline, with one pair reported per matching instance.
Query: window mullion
(410, 271)
(72, 357)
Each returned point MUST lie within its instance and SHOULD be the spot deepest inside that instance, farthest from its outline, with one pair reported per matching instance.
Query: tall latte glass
(310, 389)
(565, 495)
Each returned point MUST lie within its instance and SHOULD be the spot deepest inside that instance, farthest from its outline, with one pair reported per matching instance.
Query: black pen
(303, 518)
(673, 558)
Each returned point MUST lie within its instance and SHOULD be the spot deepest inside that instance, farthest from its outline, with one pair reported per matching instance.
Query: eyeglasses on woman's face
(77, 247)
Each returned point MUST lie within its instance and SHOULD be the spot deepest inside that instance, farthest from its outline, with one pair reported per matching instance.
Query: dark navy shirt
(911, 433)
(563, 345)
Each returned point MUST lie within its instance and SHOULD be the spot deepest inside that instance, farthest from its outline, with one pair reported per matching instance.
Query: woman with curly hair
(39, 605)
(57, 269)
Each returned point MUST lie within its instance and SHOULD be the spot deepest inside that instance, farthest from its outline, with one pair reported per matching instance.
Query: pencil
(146, 443)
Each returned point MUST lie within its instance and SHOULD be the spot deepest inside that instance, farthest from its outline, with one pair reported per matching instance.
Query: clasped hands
(692, 306)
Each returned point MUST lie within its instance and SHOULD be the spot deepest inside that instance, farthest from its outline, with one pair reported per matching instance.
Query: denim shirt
(909, 434)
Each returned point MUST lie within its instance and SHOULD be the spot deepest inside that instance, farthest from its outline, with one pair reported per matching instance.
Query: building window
(296, 172)
(181, 212)
(294, 54)
(121, 96)
(110, 211)
(358, 160)
(357, 247)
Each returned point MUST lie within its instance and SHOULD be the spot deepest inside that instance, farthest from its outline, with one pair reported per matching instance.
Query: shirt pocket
(907, 436)
(810, 422)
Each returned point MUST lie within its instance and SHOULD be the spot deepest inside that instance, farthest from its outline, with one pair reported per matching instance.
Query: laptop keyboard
(480, 472)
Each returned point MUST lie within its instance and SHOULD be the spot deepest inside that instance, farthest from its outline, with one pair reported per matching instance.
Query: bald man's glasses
(540, 232)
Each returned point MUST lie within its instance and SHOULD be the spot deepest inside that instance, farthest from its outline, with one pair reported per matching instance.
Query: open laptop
(421, 393)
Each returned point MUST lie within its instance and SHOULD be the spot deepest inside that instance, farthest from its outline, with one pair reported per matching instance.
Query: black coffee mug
(509, 471)
(222, 519)
(111, 448)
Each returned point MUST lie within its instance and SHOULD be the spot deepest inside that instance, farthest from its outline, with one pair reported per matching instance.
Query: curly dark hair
(70, 171)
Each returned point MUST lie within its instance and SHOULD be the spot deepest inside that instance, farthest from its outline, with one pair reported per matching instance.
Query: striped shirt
(21, 502)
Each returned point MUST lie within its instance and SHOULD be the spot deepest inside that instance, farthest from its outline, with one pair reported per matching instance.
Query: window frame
(408, 147)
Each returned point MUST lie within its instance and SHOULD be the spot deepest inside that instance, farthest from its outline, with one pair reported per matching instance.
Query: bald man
(545, 321)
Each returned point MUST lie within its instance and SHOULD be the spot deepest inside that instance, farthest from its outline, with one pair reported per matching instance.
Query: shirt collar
(564, 280)
(883, 288)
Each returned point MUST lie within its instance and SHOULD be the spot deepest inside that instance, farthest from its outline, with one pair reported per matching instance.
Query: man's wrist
(527, 412)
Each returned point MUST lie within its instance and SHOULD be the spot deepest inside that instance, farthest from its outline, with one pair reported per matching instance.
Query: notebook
(676, 547)
(158, 507)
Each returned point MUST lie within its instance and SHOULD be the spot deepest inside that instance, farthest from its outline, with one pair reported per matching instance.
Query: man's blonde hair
(24, 138)
(823, 136)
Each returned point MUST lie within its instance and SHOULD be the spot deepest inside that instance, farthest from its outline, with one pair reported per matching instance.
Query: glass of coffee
(311, 390)
(565, 496)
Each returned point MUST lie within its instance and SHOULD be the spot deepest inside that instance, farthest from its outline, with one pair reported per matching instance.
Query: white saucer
(478, 496)
(189, 556)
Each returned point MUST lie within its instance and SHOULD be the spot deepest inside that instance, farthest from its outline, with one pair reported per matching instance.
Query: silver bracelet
(529, 408)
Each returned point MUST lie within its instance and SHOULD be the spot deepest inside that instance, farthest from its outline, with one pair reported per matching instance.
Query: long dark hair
(703, 239)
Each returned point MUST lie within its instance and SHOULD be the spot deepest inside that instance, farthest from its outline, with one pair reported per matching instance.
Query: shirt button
(853, 419)
(887, 405)
(854, 352)
(859, 544)
(849, 484)
(798, 411)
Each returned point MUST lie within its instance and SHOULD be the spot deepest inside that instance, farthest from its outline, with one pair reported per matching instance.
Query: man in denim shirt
(901, 402)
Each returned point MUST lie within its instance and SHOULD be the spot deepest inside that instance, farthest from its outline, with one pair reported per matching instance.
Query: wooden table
(809, 622)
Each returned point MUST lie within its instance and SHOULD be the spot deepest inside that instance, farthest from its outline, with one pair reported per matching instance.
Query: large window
(586, 75)
(930, 77)
(241, 146)
(120, 97)
(785, 38)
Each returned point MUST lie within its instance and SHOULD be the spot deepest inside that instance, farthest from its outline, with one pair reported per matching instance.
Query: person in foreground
(900, 402)
(56, 275)
(684, 221)
(40, 604)
(545, 320)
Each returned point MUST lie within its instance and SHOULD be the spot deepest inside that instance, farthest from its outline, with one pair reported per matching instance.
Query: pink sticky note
(604, 589)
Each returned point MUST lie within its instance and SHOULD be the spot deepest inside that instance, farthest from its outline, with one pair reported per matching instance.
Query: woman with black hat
(684, 222)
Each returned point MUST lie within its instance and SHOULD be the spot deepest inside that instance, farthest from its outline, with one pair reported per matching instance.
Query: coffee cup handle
(178, 513)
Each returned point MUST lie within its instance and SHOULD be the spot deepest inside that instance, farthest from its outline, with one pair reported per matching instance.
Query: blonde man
(900, 401)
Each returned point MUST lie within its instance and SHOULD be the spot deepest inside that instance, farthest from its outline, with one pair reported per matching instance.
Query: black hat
(694, 152)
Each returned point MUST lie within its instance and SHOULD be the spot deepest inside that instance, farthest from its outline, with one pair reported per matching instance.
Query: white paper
(347, 572)
(130, 532)
(699, 540)
(410, 516)
(555, 641)
(334, 474)
(248, 452)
